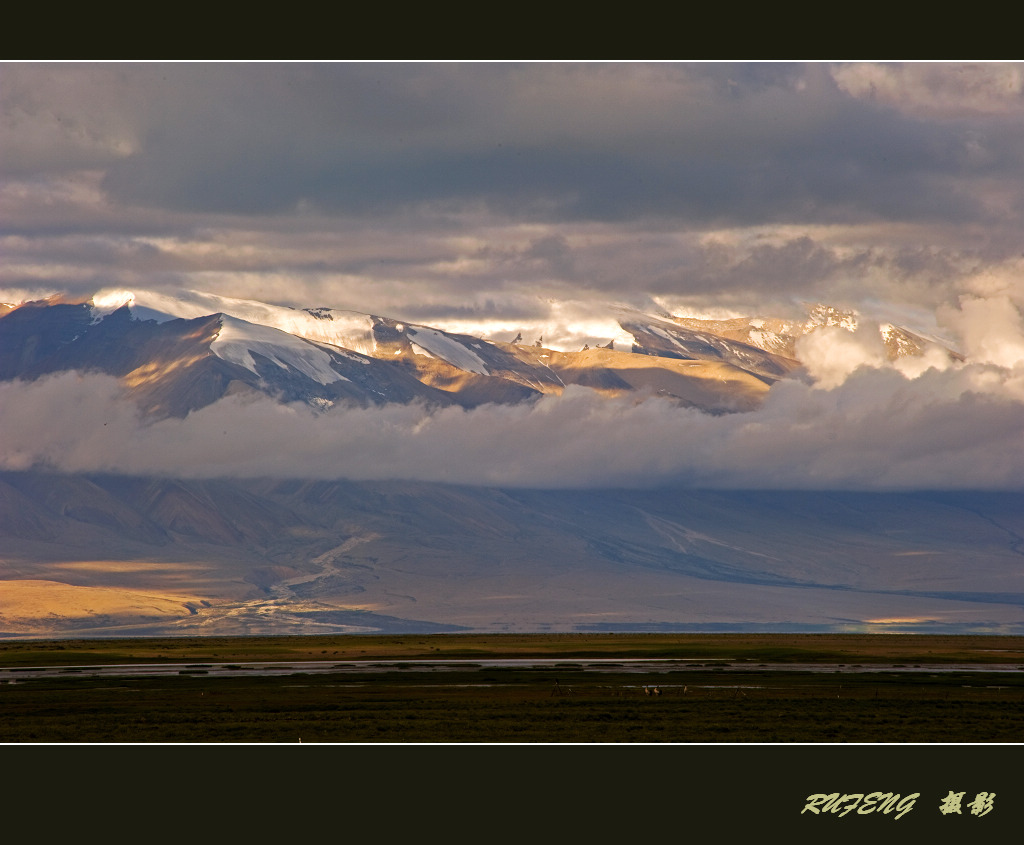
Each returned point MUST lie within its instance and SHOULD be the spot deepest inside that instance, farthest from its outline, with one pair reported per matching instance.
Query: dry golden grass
(37, 607)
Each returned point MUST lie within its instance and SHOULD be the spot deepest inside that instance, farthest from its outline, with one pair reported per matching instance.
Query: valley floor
(742, 699)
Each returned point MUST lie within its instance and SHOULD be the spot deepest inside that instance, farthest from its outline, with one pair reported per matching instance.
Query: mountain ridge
(176, 354)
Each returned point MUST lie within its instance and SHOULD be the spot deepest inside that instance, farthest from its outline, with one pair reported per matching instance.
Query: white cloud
(955, 428)
(831, 353)
(991, 329)
(937, 88)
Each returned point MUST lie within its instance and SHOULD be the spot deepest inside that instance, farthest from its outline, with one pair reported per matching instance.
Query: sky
(495, 197)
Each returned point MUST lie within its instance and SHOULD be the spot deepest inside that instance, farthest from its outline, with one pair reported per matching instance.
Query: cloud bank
(858, 423)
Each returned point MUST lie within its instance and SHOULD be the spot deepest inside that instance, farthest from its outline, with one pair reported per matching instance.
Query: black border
(720, 792)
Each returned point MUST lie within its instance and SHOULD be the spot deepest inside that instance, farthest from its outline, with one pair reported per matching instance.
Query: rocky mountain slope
(109, 556)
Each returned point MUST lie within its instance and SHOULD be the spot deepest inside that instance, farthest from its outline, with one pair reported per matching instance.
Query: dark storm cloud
(703, 143)
(424, 189)
(796, 265)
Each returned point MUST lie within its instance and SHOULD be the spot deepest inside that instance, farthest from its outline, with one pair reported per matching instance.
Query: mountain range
(176, 354)
(103, 554)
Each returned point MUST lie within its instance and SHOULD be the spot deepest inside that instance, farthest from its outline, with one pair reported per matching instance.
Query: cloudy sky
(498, 195)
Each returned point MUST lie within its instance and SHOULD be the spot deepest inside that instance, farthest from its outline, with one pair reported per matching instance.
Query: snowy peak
(459, 351)
(901, 343)
(780, 336)
(173, 365)
(825, 315)
(237, 341)
(770, 334)
(673, 340)
(323, 325)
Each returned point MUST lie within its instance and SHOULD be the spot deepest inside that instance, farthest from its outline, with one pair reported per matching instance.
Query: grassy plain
(774, 648)
(707, 701)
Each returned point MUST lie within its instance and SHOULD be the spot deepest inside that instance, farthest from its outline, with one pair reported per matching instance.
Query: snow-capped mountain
(173, 365)
(178, 353)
